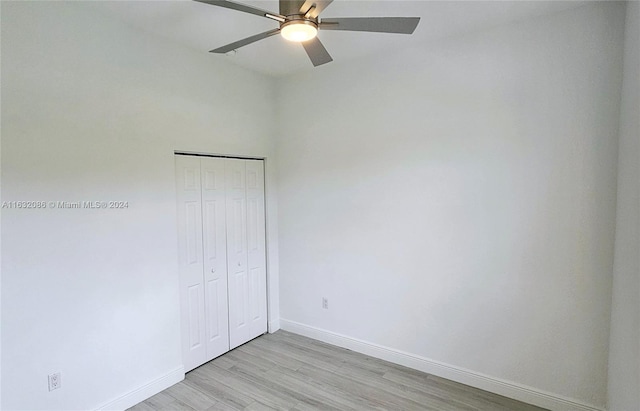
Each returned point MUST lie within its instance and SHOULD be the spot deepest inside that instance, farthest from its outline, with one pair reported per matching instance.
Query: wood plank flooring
(285, 371)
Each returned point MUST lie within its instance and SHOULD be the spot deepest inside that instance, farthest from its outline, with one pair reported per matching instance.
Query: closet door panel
(190, 253)
(239, 327)
(215, 256)
(256, 250)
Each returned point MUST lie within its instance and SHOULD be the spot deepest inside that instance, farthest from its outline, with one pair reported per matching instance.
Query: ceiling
(202, 27)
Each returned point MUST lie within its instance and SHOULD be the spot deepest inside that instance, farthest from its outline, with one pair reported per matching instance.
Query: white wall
(92, 110)
(456, 201)
(624, 360)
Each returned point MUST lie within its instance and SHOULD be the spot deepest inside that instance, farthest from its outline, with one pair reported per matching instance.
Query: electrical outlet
(325, 303)
(55, 381)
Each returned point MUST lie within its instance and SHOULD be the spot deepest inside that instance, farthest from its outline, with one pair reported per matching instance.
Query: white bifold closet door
(245, 250)
(221, 230)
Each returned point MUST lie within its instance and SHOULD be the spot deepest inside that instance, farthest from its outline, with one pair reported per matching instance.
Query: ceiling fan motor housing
(299, 19)
(300, 24)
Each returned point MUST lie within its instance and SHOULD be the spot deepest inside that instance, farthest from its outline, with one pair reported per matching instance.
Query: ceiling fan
(299, 22)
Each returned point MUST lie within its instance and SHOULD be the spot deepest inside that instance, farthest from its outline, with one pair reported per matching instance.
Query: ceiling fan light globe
(299, 31)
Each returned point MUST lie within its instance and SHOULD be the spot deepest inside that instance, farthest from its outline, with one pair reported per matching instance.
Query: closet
(222, 261)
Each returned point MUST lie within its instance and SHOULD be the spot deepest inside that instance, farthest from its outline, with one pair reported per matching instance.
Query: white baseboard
(142, 393)
(508, 389)
(274, 326)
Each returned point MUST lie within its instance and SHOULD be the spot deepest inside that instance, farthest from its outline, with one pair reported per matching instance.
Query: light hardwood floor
(285, 371)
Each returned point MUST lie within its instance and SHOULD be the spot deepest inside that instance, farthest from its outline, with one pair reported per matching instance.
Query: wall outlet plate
(55, 381)
(325, 303)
